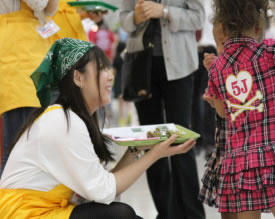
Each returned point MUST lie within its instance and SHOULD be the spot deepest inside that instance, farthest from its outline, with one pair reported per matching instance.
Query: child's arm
(208, 60)
(215, 103)
(220, 108)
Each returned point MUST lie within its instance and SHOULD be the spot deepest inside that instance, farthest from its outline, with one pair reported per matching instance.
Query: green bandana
(61, 57)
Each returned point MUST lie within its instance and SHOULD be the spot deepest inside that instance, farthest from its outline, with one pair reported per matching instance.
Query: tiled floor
(138, 195)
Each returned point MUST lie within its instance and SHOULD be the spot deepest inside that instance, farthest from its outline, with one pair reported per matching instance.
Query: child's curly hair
(239, 16)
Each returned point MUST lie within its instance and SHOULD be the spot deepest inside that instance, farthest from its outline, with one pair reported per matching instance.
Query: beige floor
(138, 195)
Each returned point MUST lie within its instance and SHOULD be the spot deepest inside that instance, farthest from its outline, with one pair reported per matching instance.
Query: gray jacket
(178, 35)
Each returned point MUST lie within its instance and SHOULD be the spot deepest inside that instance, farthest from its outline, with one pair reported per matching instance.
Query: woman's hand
(146, 10)
(128, 169)
(164, 149)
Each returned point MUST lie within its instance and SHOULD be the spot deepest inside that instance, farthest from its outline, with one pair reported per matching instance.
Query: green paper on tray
(89, 5)
(138, 135)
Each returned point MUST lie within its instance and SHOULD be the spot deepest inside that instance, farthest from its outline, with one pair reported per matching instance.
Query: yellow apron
(32, 204)
(69, 23)
(22, 50)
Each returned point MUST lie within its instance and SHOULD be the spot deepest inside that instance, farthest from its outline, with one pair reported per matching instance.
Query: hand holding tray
(137, 136)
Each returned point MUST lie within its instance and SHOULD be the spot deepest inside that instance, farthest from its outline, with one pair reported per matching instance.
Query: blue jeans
(12, 123)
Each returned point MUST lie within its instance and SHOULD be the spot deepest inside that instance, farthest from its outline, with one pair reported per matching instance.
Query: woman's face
(93, 96)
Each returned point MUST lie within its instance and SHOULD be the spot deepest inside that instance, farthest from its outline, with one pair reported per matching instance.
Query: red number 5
(237, 90)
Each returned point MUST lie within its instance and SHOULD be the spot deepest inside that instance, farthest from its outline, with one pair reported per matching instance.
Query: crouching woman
(58, 159)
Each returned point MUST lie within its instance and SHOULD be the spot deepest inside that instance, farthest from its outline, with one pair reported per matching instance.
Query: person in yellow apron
(22, 50)
(56, 168)
(69, 21)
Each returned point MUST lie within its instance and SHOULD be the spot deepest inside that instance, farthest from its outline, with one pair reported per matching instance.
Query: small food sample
(164, 132)
(153, 134)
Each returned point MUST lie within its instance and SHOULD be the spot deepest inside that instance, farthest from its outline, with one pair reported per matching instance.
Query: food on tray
(164, 132)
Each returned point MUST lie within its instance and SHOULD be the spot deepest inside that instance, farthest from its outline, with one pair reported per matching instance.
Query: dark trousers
(12, 122)
(93, 210)
(203, 115)
(174, 185)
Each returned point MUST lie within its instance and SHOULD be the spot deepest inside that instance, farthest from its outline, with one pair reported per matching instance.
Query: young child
(208, 192)
(242, 88)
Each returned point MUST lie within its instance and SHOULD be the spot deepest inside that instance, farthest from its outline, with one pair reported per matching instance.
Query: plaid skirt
(249, 190)
(210, 180)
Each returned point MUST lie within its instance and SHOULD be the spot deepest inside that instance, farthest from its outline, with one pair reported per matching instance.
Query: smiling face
(95, 94)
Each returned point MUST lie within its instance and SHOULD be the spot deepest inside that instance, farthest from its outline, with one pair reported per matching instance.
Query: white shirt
(52, 154)
(207, 38)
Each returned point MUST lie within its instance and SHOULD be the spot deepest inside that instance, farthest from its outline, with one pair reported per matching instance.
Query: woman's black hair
(70, 97)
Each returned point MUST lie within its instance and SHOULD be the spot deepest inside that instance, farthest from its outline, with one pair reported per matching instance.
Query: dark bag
(136, 75)
(137, 69)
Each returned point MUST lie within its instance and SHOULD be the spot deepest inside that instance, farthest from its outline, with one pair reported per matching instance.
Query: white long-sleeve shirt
(52, 154)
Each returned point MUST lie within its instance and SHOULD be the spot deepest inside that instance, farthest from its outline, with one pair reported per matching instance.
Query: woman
(58, 159)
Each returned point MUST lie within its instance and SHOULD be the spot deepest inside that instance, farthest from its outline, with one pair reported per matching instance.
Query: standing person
(125, 115)
(174, 187)
(203, 116)
(62, 174)
(103, 37)
(69, 21)
(23, 49)
(241, 87)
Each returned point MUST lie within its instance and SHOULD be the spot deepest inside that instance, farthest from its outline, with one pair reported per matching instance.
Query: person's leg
(273, 211)
(249, 215)
(203, 115)
(12, 122)
(196, 120)
(208, 113)
(197, 102)
(178, 101)
(158, 175)
(93, 210)
(228, 216)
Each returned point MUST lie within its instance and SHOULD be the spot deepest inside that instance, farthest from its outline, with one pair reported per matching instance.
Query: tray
(148, 141)
(90, 4)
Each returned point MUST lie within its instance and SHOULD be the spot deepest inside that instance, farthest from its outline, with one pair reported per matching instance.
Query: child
(242, 86)
(208, 193)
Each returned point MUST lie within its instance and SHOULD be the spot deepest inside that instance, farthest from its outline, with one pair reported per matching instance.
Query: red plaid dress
(210, 179)
(243, 77)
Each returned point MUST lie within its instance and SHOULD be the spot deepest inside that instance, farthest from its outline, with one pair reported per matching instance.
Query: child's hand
(211, 100)
(208, 60)
(215, 103)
